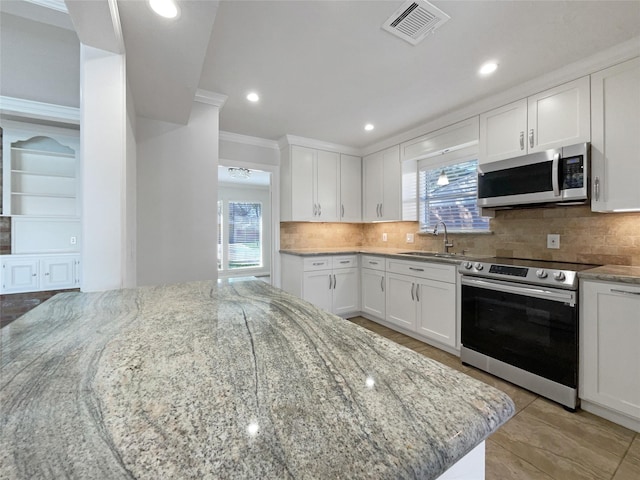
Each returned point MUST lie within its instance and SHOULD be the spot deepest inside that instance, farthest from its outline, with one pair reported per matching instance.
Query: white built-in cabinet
(421, 298)
(320, 186)
(350, 188)
(382, 183)
(330, 282)
(615, 142)
(554, 118)
(372, 281)
(609, 353)
(32, 273)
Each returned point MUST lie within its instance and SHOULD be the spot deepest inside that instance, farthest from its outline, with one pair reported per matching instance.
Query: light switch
(410, 237)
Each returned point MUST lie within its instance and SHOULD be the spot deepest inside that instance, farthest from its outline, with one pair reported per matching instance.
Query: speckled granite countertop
(235, 380)
(613, 273)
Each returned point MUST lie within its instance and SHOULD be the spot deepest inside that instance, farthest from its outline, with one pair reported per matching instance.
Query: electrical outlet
(553, 240)
(384, 237)
(73, 240)
(410, 237)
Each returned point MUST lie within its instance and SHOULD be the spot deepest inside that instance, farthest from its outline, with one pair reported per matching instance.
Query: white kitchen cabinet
(310, 185)
(33, 273)
(372, 281)
(554, 118)
(382, 185)
(330, 282)
(350, 188)
(609, 353)
(615, 144)
(421, 298)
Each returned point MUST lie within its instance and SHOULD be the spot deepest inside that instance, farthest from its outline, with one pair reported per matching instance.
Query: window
(245, 235)
(455, 203)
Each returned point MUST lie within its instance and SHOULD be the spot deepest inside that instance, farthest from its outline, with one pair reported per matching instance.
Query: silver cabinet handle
(412, 296)
(315, 210)
(382, 283)
(596, 188)
(624, 292)
(319, 210)
(335, 281)
(373, 263)
(342, 211)
(330, 281)
(381, 210)
(377, 210)
(417, 292)
(317, 264)
(416, 269)
(531, 138)
(522, 140)
(345, 261)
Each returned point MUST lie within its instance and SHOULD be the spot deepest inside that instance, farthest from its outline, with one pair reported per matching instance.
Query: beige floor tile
(501, 464)
(564, 445)
(521, 397)
(629, 469)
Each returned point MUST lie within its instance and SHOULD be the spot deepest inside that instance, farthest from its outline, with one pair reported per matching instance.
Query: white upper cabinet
(550, 119)
(382, 185)
(350, 188)
(615, 144)
(310, 183)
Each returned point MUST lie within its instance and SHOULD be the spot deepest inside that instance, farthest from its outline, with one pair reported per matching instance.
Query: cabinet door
(392, 185)
(560, 116)
(20, 275)
(615, 147)
(401, 304)
(373, 294)
(316, 288)
(57, 273)
(437, 311)
(350, 188)
(610, 358)
(327, 185)
(346, 291)
(372, 168)
(503, 132)
(302, 183)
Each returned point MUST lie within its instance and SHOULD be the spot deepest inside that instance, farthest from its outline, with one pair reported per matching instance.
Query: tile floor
(542, 441)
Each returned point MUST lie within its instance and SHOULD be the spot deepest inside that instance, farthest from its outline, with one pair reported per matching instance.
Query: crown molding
(21, 107)
(587, 66)
(210, 98)
(287, 140)
(248, 140)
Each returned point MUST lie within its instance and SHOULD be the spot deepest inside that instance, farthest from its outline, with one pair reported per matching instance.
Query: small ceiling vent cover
(414, 20)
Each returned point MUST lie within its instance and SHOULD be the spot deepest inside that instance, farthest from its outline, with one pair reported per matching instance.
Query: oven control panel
(532, 274)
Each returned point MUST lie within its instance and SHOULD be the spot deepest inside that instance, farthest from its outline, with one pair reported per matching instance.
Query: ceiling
(325, 68)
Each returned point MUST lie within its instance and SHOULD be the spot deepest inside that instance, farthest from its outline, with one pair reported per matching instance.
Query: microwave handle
(555, 181)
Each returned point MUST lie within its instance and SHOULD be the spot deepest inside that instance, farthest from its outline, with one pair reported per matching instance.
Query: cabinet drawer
(345, 261)
(433, 271)
(316, 263)
(374, 263)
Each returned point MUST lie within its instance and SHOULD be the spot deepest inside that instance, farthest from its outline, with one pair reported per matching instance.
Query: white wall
(130, 214)
(103, 147)
(177, 198)
(40, 62)
(247, 153)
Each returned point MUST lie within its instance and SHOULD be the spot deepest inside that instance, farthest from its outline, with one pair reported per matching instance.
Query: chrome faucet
(447, 244)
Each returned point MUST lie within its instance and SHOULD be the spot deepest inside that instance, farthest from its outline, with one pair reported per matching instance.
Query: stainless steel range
(520, 323)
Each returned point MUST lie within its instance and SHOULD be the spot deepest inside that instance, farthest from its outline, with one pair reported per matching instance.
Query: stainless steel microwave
(558, 175)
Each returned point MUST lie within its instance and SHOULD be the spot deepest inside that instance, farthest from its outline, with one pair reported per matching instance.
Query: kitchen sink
(431, 254)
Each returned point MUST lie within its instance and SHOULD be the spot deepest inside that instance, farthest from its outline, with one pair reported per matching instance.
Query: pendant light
(443, 179)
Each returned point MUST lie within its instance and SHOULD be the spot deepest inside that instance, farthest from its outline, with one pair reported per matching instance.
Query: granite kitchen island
(227, 380)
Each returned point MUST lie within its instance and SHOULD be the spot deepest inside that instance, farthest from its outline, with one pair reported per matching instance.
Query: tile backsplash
(585, 237)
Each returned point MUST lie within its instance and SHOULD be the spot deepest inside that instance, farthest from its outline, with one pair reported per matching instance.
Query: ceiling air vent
(414, 20)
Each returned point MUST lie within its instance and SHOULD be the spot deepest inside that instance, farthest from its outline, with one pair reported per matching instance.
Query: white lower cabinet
(609, 353)
(33, 273)
(421, 298)
(329, 282)
(372, 281)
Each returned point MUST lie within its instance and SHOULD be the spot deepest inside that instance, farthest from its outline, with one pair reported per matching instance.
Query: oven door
(532, 328)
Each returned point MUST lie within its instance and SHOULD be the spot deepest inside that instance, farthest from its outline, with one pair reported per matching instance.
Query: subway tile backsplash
(585, 237)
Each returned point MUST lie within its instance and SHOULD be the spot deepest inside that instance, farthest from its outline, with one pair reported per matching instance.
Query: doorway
(244, 223)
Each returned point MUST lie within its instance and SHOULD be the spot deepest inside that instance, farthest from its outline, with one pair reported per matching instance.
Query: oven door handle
(553, 295)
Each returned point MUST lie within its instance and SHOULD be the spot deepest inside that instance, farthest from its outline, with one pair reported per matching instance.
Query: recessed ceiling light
(488, 68)
(368, 127)
(253, 97)
(165, 8)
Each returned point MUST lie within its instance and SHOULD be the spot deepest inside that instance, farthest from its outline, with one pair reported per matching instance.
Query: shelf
(42, 174)
(44, 152)
(51, 195)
